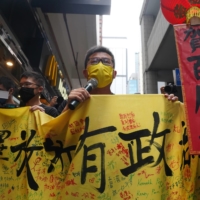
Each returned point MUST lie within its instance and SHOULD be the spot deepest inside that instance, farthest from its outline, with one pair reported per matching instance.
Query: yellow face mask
(103, 74)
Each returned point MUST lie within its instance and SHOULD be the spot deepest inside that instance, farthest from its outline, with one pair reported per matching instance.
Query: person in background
(8, 86)
(53, 101)
(99, 64)
(60, 99)
(56, 101)
(162, 90)
(32, 85)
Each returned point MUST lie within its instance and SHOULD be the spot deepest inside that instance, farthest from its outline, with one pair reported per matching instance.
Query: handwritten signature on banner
(112, 161)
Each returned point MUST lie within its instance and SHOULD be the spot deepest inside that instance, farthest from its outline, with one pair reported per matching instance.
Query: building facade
(51, 38)
(159, 56)
(134, 82)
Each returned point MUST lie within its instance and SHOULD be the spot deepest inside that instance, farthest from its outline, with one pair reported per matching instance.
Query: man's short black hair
(38, 78)
(7, 82)
(97, 49)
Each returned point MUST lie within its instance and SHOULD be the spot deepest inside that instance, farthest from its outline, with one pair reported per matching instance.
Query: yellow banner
(111, 147)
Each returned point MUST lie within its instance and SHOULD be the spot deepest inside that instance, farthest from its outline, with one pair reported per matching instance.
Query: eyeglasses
(96, 60)
(27, 84)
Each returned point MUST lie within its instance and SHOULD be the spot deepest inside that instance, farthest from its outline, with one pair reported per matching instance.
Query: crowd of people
(99, 64)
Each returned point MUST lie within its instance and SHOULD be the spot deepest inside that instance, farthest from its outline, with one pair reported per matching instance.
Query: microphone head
(93, 82)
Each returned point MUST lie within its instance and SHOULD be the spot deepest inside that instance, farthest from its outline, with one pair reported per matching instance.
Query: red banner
(188, 49)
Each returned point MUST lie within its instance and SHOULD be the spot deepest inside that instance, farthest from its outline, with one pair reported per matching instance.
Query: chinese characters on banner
(188, 50)
(137, 149)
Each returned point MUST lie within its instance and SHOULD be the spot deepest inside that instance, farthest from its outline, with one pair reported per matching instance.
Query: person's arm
(79, 94)
(53, 101)
(37, 107)
(50, 110)
(44, 108)
(62, 106)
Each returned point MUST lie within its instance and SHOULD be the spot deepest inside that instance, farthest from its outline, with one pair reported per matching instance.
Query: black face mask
(26, 94)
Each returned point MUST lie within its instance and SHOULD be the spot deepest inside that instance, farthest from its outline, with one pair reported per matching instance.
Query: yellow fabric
(111, 147)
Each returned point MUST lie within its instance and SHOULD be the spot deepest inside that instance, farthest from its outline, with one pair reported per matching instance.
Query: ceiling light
(9, 63)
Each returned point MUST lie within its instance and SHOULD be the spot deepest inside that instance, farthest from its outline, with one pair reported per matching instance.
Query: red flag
(188, 49)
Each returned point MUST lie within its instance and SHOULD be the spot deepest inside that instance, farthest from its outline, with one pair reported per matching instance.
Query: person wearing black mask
(6, 93)
(31, 86)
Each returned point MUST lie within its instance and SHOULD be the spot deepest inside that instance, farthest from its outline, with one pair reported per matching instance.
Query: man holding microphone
(100, 65)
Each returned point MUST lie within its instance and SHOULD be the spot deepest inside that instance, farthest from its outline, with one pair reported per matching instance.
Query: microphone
(91, 84)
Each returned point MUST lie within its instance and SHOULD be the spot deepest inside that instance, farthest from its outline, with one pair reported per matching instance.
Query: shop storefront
(23, 47)
(11, 65)
(31, 39)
